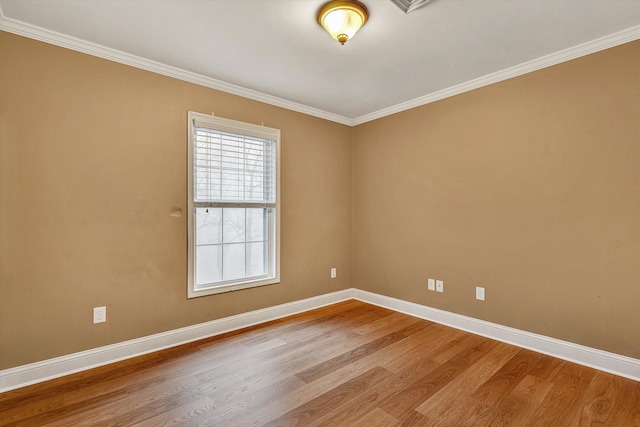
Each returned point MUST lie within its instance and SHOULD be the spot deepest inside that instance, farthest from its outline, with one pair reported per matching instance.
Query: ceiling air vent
(409, 5)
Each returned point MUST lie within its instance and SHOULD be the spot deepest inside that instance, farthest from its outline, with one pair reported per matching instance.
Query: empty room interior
(448, 227)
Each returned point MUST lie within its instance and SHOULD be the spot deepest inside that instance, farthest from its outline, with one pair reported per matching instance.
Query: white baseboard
(33, 373)
(602, 360)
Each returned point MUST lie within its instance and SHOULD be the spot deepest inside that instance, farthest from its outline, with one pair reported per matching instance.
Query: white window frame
(240, 128)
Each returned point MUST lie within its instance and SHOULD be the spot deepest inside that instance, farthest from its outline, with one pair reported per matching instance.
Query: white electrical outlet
(99, 314)
(431, 284)
(439, 286)
(479, 293)
(334, 273)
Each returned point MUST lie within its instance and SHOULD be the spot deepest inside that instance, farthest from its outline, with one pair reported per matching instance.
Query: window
(233, 204)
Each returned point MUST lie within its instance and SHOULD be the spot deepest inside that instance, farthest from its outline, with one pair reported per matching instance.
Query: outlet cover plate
(334, 273)
(99, 314)
(439, 286)
(431, 284)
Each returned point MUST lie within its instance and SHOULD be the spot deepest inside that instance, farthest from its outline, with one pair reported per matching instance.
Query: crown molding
(606, 42)
(52, 37)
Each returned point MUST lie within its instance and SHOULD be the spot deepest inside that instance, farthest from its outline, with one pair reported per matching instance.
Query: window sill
(219, 289)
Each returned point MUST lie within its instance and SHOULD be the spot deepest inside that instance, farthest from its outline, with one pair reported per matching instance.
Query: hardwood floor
(348, 364)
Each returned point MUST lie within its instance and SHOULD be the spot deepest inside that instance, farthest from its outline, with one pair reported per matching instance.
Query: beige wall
(529, 187)
(92, 160)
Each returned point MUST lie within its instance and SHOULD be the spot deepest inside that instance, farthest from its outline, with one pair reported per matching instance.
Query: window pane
(256, 260)
(233, 264)
(233, 220)
(234, 241)
(208, 226)
(256, 225)
(208, 264)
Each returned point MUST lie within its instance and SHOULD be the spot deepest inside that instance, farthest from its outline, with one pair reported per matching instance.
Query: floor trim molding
(602, 360)
(37, 372)
(33, 373)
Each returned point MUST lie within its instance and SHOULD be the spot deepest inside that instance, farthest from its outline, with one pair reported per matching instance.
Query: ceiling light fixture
(342, 18)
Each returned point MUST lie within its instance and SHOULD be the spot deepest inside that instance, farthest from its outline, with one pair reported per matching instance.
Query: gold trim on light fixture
(342, 18)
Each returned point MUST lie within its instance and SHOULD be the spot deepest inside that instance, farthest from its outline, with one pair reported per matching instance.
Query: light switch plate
(479, 293)
(439, 286)
(431, 284)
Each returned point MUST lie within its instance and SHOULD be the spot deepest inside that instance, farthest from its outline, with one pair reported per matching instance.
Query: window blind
(230, 168)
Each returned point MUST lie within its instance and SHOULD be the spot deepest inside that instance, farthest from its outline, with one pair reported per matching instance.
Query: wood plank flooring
(348, 364)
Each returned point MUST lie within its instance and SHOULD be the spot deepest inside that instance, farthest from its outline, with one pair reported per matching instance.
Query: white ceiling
(274, 51)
